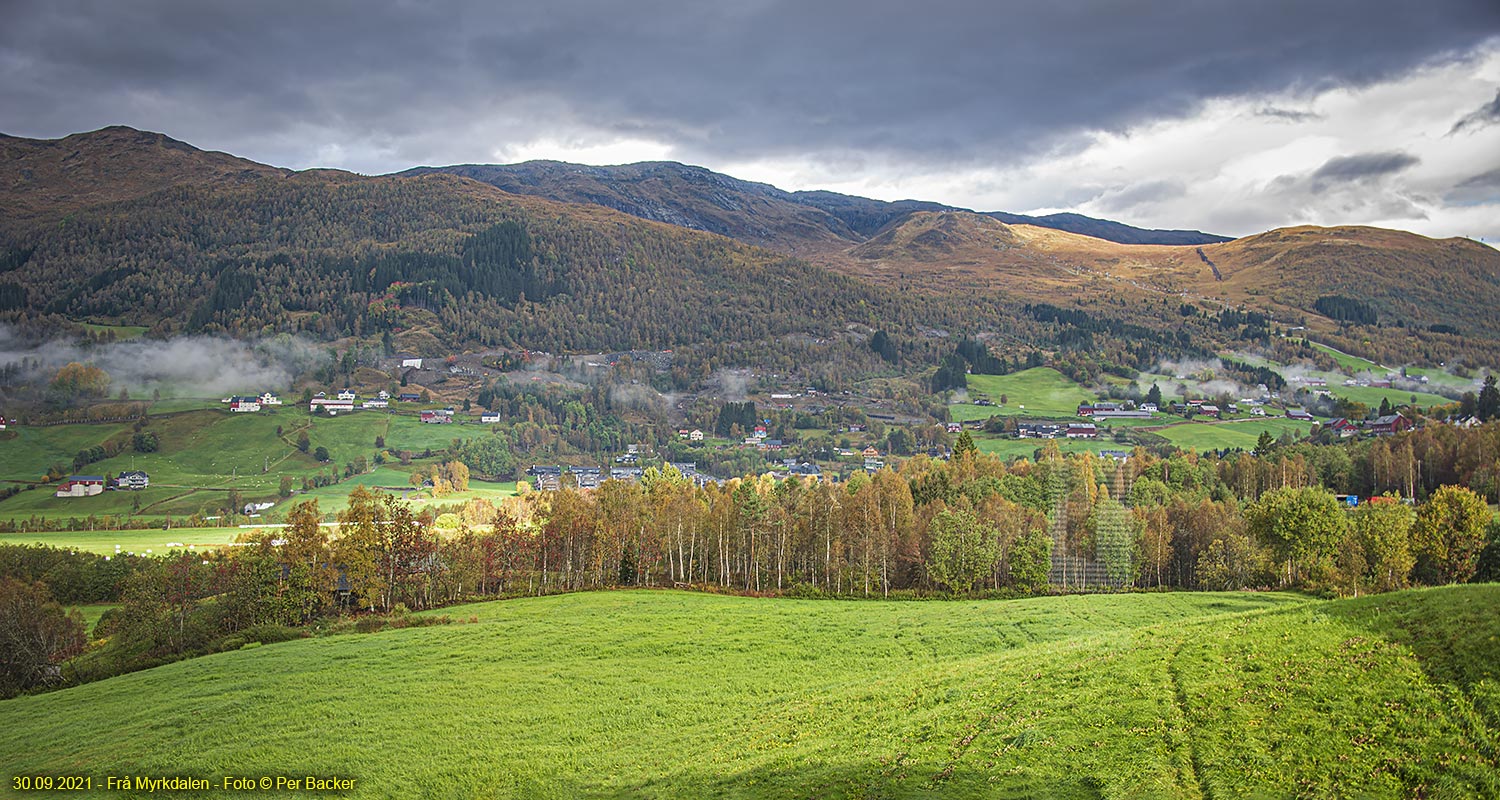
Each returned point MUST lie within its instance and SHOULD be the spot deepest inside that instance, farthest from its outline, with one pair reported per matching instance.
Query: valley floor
(670, 694)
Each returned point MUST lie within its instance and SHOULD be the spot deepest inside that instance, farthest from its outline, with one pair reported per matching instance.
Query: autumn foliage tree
(36, 635)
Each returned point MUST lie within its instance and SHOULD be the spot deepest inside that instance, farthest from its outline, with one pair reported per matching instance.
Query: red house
(1388, 425)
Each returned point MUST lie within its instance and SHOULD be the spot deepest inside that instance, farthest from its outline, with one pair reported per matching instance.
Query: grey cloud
(1351, 169)
(1486, 115)
(1480, 189)
(1136, 195)
(947, 83)
(1288, 114)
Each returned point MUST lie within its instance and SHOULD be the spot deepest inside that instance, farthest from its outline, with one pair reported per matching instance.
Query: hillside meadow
(671, 694)
(204, 453)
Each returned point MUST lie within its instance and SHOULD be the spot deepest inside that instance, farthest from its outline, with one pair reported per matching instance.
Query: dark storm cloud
(1488, 114)
(1137, 195)
(1476, 190)
(389, 84)
(1356, 168)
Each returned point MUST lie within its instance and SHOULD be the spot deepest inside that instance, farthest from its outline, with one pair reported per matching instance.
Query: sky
(1218, 115)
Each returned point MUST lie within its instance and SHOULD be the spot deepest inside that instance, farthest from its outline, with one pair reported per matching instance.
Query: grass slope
(206, 452)
(156, 540)
(1243, 434)
(1036, 392)
(664, 694)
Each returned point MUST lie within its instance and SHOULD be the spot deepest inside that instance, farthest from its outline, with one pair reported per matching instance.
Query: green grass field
(1372, 396)
(1037, 392)
(1346, 361)
(667, 694)
(206, 452)
(92, 613)
(123, 333)
(1244, 434)
(1007, 448)
(130, 541)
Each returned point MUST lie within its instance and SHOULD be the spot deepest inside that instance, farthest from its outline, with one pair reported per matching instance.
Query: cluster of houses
(1057, 430)
(1107, 410)
(693, 435)
(438, 416)
(90, 485)
(250, 403)
(1388, 425)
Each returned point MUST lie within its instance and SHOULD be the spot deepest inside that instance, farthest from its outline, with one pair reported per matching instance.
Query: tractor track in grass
(1179, 696)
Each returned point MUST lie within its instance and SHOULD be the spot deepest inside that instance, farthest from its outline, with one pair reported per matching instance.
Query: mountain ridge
(792, 221)
(133, 202)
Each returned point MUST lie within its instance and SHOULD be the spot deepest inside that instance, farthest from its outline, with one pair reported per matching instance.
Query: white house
(489, 417)
(346, 394)
(695, 436)
(382, 395)
(135, 480)
(268, 399)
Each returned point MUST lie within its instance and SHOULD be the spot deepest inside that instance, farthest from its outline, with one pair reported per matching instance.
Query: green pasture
(1244, 434)
(123, 333)
(661, 694)
(157, 540)
(1037, 392)
(1372, 396)
(1008, 448)
(205, 453)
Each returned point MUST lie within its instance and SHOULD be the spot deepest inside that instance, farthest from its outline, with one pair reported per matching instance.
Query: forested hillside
(136, 228)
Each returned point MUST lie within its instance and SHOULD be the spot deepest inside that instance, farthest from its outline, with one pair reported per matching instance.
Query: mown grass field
(1008, 448)
(1037, 392)
(1346, 361)
(156, 540)
(666, 694)
(1372, 396)
(1244, 434)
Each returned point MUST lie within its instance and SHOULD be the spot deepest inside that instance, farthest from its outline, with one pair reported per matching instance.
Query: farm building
(437, 417)
(244, 404)
(1388, 425)
(1081, 430)
(80, 486)
(490, 417)
(330, 405)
